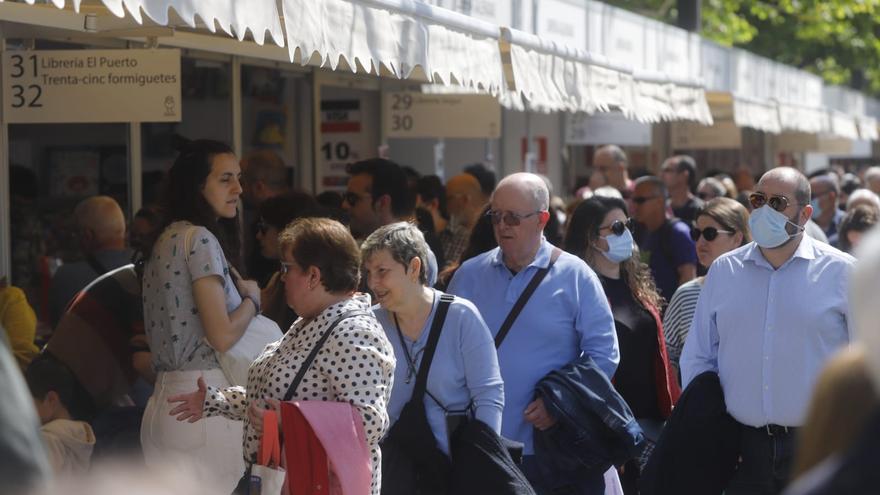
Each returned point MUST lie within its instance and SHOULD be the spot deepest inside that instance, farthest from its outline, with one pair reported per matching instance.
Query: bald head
(530, 185)
(611, 154)
(101, 222)
(464, 184)
(795, 182)
(872, 179)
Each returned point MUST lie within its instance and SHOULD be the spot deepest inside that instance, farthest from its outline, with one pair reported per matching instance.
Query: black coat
(482, 465)
(595, 429)
(698, 449)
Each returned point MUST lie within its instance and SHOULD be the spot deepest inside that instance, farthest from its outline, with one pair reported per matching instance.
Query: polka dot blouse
(355, 365)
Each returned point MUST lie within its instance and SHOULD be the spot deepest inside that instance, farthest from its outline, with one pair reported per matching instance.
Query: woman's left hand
(256, 409)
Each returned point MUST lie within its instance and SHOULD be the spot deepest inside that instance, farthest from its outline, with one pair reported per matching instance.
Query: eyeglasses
(285, 267)
(640, 200)
(820, 194)
(618, 227)
(510, 218)
(709, 233)
(705, 196)
(778, 203)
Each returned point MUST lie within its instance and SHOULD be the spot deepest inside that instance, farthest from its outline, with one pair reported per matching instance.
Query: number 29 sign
(44, 86)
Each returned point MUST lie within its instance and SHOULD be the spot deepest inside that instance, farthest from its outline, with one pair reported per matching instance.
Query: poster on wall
(74, 86)
(342, 141)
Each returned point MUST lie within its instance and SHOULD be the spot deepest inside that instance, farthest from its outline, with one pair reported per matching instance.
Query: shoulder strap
(311, 357)
(431, 346)
(524, 298)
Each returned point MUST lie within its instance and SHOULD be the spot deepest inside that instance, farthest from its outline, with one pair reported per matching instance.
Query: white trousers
(209, 450)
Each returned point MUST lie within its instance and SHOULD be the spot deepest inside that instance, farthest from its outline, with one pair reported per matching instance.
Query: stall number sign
(91, 86)
(417, 115)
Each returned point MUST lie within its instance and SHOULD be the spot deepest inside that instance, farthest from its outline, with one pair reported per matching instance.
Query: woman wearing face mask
(599, 233)
(721, 226)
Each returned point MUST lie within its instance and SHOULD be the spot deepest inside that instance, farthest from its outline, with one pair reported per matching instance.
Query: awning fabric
(799, 118)
(556, 78)
(399, 36)
(844, 125)
(868, 128)
(235, 17)
(757, 114)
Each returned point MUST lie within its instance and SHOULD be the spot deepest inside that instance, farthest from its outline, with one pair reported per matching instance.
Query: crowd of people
(659, 334)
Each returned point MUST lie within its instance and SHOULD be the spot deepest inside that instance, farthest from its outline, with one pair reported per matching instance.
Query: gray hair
(654, 181)
(607, 192)
(404, 241)
(863, 196)
(715, 184)
(802, 189)
(533, 185)
(617, 154)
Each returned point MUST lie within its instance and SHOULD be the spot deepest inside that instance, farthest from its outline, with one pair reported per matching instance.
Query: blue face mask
(768, 227)
(620, 247)
(817, 210)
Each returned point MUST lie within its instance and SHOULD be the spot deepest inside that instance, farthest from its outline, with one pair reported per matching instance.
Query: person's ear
(543, 218)
(806, 214)
(52, 401)
(415, 268)
(738, 238)
(314, 276)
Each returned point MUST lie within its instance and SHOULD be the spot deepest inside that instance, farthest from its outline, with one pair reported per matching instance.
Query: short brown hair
(327, 245)
(730, 215)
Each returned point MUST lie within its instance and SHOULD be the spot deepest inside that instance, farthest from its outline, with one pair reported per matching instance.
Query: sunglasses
(510, 218)
(709, 233)
(618, 227)
(640, 200)
(778, 203)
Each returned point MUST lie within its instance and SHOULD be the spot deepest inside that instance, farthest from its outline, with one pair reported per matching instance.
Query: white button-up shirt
(767, 332)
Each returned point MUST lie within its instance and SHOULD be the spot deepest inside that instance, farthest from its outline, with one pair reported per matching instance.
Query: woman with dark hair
(854, 225)
(353, 364)
(275, 214)
(194, 307)
(721, 226)
(599, 232)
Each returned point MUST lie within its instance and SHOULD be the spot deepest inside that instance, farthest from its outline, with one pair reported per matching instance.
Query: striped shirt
(678, 317)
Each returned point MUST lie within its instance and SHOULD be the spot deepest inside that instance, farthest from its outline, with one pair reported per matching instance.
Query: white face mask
(768, 227)
(620, 247)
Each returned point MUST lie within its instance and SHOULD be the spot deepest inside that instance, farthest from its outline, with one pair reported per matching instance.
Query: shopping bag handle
(270, 445)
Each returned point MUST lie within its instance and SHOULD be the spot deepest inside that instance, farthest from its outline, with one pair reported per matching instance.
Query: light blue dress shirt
(769, 332)
(464, 367)
(568, 314)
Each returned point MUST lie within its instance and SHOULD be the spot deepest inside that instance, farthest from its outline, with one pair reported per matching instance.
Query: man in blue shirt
(825, 190)
(665, 243)
(566, 316)
(769, 316)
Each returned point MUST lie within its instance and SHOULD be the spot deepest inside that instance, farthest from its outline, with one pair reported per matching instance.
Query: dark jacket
(481, 463)
(698, 449)
(595, 429)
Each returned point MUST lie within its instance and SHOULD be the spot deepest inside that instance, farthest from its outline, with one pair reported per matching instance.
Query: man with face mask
(825, 190)
(769, 316)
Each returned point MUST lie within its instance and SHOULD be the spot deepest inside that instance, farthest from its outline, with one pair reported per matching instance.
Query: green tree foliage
(836, 39)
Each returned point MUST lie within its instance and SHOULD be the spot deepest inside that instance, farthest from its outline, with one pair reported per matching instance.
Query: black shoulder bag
(412, 464)
(524, 298)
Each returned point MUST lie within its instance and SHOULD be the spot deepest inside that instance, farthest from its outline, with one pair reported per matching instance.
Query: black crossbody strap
(431, 346)
(308, 362)
(524, 298)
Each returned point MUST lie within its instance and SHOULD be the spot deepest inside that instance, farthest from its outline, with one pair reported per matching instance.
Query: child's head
(52, 386)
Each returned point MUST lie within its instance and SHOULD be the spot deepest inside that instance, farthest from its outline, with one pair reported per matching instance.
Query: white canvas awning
(235, 17)
(868, 128)
(401, 37)
(552, 78)
(843, 125)
(800, 118)
(757, 114)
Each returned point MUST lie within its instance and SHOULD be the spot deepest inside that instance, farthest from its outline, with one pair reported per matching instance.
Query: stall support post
(5, 213)
(135, 169)
(236, 107)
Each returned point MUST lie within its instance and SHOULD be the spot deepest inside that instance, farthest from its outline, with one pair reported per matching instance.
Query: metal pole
(135, 169)
(5, 214)
(236, 107)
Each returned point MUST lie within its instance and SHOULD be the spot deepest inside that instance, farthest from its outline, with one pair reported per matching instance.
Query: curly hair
(582, 234)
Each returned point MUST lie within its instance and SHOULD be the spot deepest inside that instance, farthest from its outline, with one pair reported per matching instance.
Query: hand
(192, 405)
(537, 415)
(255, 412)
(248, 288)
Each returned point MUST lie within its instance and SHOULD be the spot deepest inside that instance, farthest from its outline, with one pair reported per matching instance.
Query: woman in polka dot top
(320, 270)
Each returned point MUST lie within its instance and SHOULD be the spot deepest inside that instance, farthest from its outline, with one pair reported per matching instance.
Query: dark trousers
(561, 483)
(766, 461)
